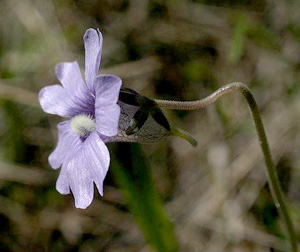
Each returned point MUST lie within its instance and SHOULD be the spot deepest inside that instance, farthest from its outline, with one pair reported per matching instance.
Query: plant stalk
(271, 171)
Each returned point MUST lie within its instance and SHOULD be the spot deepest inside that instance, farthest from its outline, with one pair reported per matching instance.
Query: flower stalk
(270, 168)
(185, 135)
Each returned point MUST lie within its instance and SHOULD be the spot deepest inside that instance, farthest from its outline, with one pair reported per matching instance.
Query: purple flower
(93, 115)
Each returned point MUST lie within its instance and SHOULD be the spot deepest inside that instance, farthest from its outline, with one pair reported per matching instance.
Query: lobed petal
(93, 47)
(107, 112)
(89, 164)
(69, 75)
(62, 183)
(65, 139)
(107, 119)
(54, 100)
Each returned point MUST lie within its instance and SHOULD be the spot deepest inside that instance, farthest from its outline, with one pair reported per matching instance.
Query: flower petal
(62, 183)
(93, 47)
(65, 138)
(107, 120)
(70, 77)
(54, 100)
(107, 112)
(90, 164)
(107, 89)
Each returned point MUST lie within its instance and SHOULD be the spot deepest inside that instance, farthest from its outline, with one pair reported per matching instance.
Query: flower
(93, 115)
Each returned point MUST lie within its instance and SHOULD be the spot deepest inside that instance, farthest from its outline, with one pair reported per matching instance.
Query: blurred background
(168, 196)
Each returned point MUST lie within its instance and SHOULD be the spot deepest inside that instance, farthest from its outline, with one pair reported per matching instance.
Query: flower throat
(83, 124)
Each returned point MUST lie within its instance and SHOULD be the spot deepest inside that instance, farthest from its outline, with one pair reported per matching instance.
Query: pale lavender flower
(93, 115)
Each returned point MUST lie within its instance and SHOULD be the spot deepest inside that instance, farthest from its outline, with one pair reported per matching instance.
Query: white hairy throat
(83, 125)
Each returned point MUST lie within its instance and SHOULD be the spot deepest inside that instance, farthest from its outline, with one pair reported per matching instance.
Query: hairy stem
(271, 171)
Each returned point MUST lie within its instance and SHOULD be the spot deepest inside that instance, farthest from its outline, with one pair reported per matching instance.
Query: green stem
(185, 135)
(271, 171)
